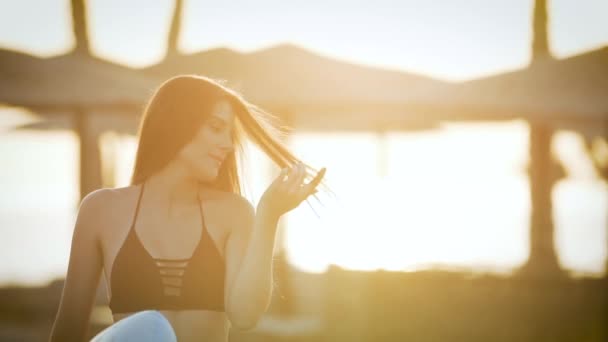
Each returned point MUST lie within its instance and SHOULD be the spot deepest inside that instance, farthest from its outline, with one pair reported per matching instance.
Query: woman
(185, 256)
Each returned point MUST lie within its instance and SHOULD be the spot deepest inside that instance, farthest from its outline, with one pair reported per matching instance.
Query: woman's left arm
(249, 249)
(249, 253)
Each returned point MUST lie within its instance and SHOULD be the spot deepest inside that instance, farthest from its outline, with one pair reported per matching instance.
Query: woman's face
(206, 152)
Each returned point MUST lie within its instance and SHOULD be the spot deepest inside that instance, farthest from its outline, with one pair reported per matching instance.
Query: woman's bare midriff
(194, 325)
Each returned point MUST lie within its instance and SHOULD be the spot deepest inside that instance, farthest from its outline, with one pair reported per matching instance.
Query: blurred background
(466, 142)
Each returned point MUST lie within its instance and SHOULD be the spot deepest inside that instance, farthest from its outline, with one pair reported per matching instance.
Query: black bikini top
(141, 282)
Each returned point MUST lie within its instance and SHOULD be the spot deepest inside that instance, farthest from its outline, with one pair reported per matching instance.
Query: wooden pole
(90, 155)
(543, 258)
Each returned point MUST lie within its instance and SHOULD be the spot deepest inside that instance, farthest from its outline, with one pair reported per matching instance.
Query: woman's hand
(287, 191)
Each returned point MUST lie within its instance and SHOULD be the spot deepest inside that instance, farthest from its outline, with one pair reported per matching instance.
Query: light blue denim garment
(148, 325)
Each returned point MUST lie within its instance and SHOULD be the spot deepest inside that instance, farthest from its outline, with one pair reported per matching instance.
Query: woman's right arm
(84, 271)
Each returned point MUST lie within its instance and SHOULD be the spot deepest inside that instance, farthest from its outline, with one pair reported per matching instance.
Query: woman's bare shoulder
(110, 196)
(235, 209)
(232, 202)
(96, 205)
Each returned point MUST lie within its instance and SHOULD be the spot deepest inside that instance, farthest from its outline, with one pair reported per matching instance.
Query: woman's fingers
(288, 177)
(296, 181)
(293, 173)
(310, 188)
(281, 177)
(291, 179)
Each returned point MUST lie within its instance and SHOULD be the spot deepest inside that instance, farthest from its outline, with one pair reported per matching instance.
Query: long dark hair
(178, 108)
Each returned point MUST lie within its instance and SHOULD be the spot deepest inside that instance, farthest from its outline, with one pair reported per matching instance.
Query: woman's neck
(175, 184)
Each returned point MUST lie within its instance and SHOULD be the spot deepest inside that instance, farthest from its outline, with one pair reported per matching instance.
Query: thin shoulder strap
(141, 191)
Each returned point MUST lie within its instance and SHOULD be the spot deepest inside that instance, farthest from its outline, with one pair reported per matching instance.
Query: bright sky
(446, 39)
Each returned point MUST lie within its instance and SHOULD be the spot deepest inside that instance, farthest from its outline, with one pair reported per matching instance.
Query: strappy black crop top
(141, 282)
